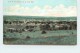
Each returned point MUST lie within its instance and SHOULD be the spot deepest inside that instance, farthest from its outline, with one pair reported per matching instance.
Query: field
(51, 37)
(59, 37)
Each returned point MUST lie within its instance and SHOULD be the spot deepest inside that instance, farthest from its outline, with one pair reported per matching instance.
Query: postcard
(40, 22)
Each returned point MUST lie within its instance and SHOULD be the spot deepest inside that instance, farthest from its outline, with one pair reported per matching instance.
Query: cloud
(58, 11)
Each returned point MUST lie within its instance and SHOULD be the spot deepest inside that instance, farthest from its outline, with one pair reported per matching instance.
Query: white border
(35, 48)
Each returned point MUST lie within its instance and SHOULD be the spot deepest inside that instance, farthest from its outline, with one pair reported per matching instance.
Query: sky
(56, 8)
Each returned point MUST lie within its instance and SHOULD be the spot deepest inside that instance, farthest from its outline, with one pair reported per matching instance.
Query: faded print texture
(40, 22)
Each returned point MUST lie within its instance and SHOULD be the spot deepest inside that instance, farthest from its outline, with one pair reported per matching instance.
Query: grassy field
(60, 37)
(55, 37)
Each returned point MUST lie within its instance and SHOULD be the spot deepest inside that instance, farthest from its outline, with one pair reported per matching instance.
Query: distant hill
(39, 18)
